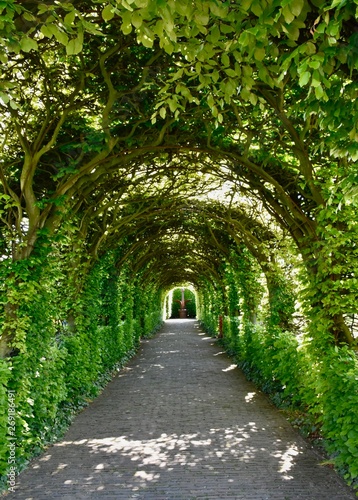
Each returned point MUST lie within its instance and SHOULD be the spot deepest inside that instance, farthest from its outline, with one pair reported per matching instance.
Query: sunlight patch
(249, 396)
(229, 368)
(145, 476)
(287, 460)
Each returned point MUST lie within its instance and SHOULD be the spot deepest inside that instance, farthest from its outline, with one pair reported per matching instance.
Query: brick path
(180, 422)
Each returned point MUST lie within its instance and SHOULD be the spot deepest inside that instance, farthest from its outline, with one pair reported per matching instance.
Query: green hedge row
(80, 325)
(317, 388)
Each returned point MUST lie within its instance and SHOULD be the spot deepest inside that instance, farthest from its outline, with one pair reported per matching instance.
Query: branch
(305, 163)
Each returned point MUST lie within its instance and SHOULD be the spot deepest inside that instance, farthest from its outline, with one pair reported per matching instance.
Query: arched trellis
(114, 122)
(270, 153)
(110, 209)
(173, 240)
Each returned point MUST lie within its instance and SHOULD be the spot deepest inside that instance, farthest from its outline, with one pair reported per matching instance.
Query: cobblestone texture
(180, 422)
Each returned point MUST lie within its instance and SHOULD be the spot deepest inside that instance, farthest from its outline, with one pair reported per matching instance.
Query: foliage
(317, 391)
(338, 398)
(61, 363)
(146, 144)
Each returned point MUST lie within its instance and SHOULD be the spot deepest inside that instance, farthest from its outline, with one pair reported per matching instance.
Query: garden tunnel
(152, 145)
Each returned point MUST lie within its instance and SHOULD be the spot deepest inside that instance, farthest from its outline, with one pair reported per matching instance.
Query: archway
(183, 298)
(215, 147)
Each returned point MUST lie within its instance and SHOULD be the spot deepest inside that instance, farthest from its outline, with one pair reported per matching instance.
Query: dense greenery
(319, 394)
(78, 332)
(148, 145)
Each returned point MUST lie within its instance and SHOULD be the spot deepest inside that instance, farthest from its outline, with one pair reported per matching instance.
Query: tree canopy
(100, 98)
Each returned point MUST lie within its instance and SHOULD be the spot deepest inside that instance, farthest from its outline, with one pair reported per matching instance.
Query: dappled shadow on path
(180, 422)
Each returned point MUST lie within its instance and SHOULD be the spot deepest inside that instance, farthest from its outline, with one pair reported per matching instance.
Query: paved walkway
(180, 422)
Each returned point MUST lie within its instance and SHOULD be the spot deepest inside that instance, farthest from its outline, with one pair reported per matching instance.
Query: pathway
(180, 422)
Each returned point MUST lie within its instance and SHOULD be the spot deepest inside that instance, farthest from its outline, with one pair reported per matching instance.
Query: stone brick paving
(180, 422)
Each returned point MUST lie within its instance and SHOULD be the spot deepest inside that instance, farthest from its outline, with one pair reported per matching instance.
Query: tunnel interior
(149, 146)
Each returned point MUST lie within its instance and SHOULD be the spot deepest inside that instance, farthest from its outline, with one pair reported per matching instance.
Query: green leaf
(231, 72)
(46, 31)
(245, 5)
(245, 94)
(210, 100)
(126, 23)
(167, 46)
(218, 9)
(27, 44)
(137, 19)
(29, 17)
(4, 98)
(173, 104)
(253, 99)
(287, 14)
(59, 35)
(316, 79)
(13, 104)
(214, 34)
(177, 75)
(310, 48)
(74, 46)
(126, 5)
(319, 92)
(296, 7)
(107, 13)
(259, 53)
(244, 38)
(90, 28)
(256, 8)
(304, 78)
(313, 63)
(201, 18)
(215, 75)
(3, 58)
(141, 4)
(62, 38)
(230, 88)
(214, 111)
(146, 37)
(226, 28)
(69, 18)
(337, 3)
(225, 60)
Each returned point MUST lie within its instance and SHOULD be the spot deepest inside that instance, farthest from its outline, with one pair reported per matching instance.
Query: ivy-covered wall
(80, 321)
(318, 388)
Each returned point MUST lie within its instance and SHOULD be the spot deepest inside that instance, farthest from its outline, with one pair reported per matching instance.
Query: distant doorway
(190, 304)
